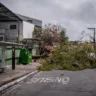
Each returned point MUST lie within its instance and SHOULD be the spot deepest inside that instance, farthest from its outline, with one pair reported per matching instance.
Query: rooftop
(7, 15)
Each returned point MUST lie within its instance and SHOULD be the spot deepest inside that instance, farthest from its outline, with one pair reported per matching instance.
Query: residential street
(47, 48)
(57, 83)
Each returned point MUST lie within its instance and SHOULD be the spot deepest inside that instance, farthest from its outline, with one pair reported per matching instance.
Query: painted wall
(28, 29)
(25, 30)
(12, 33)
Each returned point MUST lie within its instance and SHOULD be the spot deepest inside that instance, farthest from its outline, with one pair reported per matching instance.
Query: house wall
(12, 34)
(28, 29)
(25, 30)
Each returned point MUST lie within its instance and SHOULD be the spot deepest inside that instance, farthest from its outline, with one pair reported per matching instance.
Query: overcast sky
(75, 15)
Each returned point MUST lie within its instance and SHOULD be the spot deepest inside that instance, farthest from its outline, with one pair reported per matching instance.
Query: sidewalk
(21, 70)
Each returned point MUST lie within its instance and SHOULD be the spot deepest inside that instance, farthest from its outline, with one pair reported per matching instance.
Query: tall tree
(37, 32)
(51, 34)
(63, 36)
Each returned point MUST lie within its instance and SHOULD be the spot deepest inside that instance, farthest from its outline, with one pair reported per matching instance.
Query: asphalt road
(57, 83)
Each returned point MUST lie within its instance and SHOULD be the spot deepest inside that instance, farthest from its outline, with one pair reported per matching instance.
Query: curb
(6, 82)
(16, 81)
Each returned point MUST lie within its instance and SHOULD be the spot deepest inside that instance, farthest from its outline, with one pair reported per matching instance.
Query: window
(12, 26)
(1, 38)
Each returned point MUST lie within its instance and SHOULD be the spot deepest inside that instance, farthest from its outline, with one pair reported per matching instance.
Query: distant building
(15, 27)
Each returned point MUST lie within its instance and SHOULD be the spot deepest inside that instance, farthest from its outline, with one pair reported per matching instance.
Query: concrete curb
(12, 79)
(16, 81)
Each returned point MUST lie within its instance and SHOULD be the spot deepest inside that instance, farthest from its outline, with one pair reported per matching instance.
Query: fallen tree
(69, 57)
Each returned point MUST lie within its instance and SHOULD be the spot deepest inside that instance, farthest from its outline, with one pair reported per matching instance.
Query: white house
(15, 27)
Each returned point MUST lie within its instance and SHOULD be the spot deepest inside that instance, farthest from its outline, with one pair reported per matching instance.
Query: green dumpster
(25, 57)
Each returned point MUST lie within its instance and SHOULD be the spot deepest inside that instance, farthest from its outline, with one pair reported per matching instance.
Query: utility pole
(93, 36)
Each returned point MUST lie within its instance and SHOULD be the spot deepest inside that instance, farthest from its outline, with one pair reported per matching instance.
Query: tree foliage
(51, 33)
(63, 36)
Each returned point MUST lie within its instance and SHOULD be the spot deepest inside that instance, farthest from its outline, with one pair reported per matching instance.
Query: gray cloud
(85, 12)
(74, 15)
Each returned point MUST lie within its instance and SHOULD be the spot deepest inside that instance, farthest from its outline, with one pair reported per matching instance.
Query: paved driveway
(58, 83)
